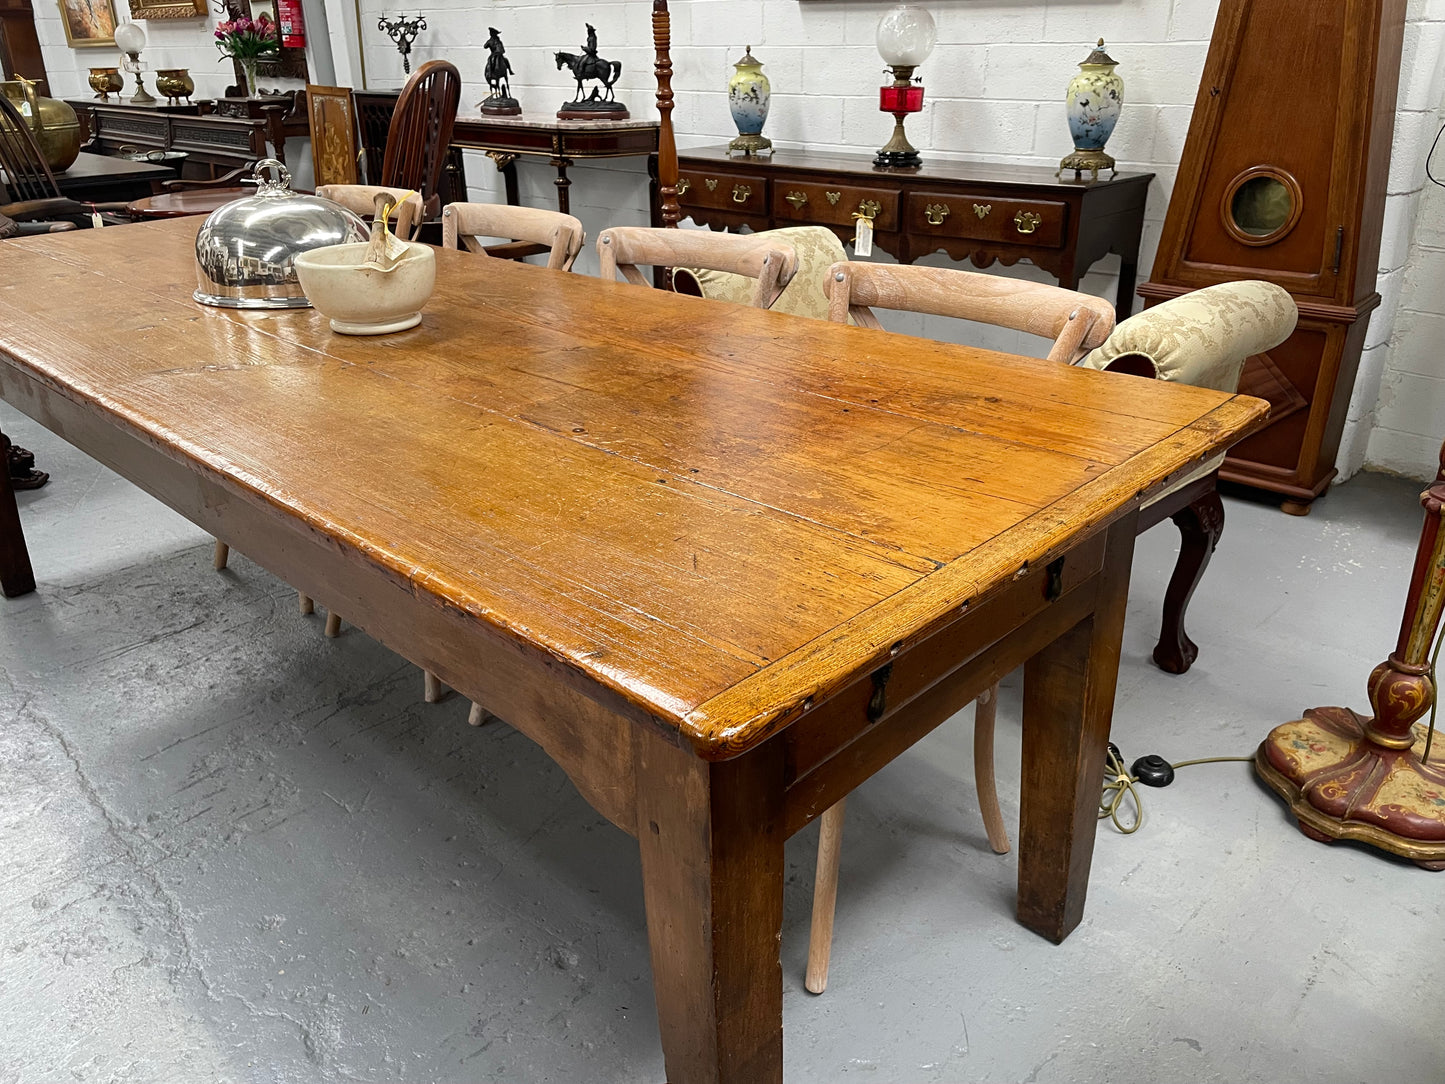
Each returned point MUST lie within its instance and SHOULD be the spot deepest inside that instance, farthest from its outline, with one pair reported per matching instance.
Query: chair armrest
(230, 180)
(32, 210)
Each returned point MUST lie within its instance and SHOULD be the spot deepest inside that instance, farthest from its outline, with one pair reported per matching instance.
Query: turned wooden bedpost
(666, 142)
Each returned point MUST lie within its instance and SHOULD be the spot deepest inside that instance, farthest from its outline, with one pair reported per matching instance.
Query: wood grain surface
(716, 515)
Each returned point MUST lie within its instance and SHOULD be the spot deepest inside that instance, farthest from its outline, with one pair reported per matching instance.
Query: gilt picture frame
(167, 9)
(89, 24)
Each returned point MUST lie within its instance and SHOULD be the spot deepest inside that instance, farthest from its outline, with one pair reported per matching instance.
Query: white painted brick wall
(994, 87)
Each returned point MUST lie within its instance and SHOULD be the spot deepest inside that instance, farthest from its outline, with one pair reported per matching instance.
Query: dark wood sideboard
(980, 212)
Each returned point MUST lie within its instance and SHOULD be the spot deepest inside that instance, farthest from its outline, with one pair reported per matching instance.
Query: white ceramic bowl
(364, 300)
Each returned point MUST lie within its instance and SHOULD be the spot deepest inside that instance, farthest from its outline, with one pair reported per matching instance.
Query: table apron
(586, 729)
(828, 754)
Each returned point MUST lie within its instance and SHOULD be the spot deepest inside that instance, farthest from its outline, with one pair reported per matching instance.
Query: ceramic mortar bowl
(365, 300)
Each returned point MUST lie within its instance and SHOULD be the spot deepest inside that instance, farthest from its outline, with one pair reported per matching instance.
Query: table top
(716, 514)
(89, 169)
(933, 168)
(183, 204)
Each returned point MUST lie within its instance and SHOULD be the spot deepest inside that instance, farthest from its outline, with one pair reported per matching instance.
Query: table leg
(1068, 705)
(16, 576)
(563, 183)
(1128, 272)
(711, 837)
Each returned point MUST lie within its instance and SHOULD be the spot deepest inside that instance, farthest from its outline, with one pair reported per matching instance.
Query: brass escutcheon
(833, 197)
(683, 185)
(797, 199)
(982, 209)
(868, 209)
(1027, 221)
(935, 213)
(741, 192)
(711, 183)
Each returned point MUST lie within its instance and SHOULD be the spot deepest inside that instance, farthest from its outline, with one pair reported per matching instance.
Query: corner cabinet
(1283, 179)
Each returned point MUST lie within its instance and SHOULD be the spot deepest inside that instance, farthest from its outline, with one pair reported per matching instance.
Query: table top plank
(716, 512)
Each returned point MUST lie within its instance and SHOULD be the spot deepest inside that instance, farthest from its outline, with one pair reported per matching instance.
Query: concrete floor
(232, 850)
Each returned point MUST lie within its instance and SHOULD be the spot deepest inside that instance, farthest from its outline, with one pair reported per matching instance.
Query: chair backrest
(817, 249)
(464, 223)
(1075, 322)
(331, 112)
(361, 199)
(27, 177)
(772, 262)
(1201, 338)
(420, 136)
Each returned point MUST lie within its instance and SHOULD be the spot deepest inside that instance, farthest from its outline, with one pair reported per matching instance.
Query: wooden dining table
(721, 564)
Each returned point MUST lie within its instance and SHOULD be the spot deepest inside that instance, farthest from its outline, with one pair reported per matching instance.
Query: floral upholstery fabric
(817, 247)
(1203, 337)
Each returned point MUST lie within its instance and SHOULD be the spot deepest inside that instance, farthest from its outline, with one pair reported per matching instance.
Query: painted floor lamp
(1372, 779)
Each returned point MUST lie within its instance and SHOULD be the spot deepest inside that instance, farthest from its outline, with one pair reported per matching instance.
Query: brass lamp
(130, 40)
(905, 38)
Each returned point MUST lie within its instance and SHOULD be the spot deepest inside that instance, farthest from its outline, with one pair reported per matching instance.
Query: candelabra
(403, 32)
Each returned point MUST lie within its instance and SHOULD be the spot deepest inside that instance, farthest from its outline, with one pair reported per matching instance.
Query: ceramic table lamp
(1094, 98)
(749, 94)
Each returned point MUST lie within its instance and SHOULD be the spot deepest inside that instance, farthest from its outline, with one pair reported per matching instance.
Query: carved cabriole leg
(711, 837)
(16, 576)
(1200, 525)
(220, 555)
(985, 711)
(825, 897)
(1068, 703)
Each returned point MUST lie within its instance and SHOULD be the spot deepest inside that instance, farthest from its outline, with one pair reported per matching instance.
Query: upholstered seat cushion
(1201, 338)
(817, 247)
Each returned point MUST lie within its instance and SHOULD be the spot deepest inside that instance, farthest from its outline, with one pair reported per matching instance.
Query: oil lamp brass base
(750, 146)
(1092, 161)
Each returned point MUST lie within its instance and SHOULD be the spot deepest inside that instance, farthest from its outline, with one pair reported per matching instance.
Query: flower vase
(1093, 101)
(749, 94)
(248, 69)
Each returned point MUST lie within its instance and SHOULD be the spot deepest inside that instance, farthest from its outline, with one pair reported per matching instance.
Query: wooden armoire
(1283, 178)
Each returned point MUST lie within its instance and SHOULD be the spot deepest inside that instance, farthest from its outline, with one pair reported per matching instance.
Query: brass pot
(175, 83)
(105, 81)
(53, 123)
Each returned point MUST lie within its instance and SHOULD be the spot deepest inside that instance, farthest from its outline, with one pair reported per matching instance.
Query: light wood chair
(367, 200)
(1201, 339)
(769, 260)
(463, 224)
(1077, 323)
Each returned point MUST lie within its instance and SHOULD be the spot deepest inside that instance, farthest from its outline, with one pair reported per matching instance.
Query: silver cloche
(245, 249)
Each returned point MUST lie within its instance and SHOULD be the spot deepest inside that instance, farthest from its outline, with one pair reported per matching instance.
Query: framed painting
(167, 9)
(88, 23)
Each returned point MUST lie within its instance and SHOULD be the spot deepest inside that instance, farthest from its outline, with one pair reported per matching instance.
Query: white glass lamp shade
(906, 35)
(130, 38)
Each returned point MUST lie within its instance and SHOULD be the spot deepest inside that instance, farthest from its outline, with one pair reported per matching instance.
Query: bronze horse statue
(592, 66)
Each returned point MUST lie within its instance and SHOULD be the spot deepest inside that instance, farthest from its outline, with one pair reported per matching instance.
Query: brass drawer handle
(982, 209)
(935, 213)
(711, 183)
(797, 199)
(833, 198)
(741, 192)
(868, 209)
(682, 186)
(1027, 221)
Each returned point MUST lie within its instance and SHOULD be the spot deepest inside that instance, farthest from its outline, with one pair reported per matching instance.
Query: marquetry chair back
(418, 141)
(27, 177)
(331, 116)
(1076, 322)
(464, 224)
(365, 199)
(772, 262)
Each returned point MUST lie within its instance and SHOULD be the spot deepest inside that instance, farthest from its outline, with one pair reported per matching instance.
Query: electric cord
(1152, 771)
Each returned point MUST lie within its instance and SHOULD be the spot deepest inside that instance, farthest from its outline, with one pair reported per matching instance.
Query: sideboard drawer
(833, 205)
(724, 191)
(982, 217)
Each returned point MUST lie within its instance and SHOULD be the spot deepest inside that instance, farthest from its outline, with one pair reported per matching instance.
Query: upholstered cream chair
(465, 224)
(817, 249)
(768, 262)
(1201, 338)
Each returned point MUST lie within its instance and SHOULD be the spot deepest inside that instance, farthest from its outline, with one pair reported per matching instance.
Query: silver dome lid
(245, 249)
